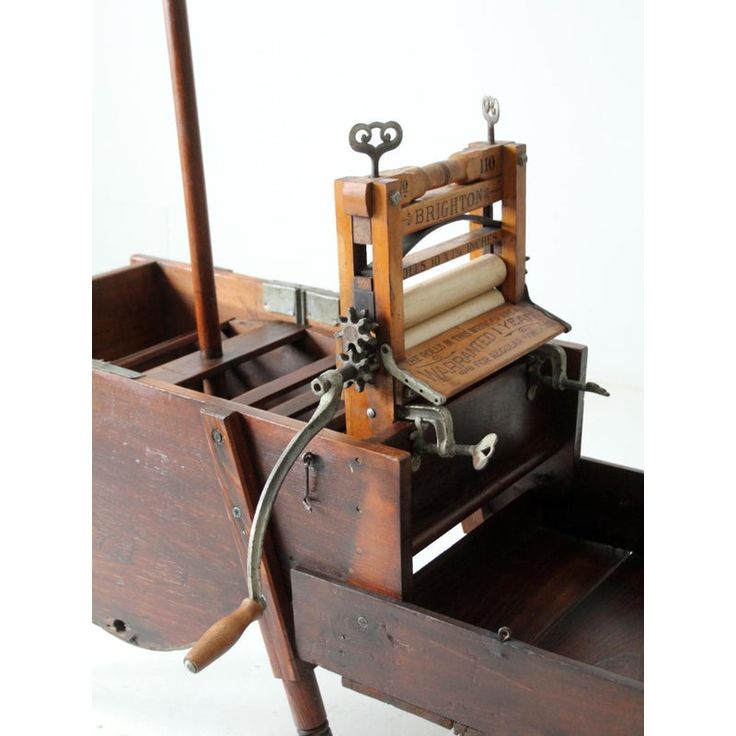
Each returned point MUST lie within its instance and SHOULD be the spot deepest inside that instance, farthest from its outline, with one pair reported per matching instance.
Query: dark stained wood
(526, 584)
(481, 239)
(605, 504)
(286, 383)
(165, 565)
(233, 466)
(372, 692)
(530, 433)
(433, 521)
(180, 344)
(464, 355)
(236, 349)
(192, 169)
(165, 562)
(168, 349)
(305, 701)
(461, 672)
(297, 405)
(607, 628)
(359, 493)
(127, 311)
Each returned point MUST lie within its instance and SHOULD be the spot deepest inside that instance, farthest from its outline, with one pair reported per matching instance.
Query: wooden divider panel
(458, 671)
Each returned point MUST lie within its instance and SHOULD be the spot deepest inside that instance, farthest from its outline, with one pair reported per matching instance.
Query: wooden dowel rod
(475, 163)
(192, 170)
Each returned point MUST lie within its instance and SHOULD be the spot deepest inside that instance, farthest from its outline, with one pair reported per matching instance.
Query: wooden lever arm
(222, 635)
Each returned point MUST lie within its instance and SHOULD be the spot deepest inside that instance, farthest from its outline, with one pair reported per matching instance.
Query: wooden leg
(306, 704)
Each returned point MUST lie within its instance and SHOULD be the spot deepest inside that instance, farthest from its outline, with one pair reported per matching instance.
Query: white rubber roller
(441, 293)
(461, 313)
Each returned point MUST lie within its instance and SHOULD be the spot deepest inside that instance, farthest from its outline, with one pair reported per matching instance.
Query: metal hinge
(304, 303)
(103, 365)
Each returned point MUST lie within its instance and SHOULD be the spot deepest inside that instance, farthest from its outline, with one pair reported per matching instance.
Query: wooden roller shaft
(446, 320)
(222, 635)
(478, 161)
(440, 293)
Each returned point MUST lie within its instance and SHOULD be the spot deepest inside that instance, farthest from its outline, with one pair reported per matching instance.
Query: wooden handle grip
(222, 635)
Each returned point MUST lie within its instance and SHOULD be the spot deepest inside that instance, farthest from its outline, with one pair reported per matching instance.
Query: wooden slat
(288, 382)
(476, 240)
(388, 293)
(462, 356)
(444, 204)
(234, 471)
(162, 349)
(296, 405)
(195, 367)
(607, 628)
(461, 672)
(513, 217)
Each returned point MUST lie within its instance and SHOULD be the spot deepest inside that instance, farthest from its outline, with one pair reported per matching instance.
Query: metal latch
(441, 419)
(557, 380)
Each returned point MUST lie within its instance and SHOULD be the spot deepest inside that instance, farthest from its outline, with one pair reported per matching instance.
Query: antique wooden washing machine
(303, 446)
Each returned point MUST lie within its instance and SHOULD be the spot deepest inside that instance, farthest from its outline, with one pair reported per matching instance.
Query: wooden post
(513, 217)
(192, 169)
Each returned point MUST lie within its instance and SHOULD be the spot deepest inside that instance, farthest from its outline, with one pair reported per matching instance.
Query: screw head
(370, 412)
(395, 198)
(522, 159)
(237, 513)
(217, 436)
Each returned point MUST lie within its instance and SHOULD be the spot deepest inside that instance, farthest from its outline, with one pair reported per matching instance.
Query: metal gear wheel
(359, 346)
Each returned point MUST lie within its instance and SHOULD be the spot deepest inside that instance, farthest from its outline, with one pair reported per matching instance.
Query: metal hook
(307, 458)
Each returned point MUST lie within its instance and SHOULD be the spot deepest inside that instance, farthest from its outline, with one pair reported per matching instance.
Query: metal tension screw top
(360, 136)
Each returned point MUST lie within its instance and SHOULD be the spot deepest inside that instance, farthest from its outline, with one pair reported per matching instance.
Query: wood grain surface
(469, 352)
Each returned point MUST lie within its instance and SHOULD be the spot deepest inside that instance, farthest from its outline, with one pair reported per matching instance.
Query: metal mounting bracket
(304, 303)
(419, 387)
(557, 380)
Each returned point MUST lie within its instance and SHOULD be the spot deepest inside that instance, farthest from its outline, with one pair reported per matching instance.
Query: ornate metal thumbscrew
(360, 140)
(491, 112)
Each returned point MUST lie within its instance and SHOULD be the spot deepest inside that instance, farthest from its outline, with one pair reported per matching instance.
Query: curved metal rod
(329, 384)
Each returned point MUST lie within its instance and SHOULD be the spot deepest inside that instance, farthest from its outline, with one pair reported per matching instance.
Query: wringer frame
(256, 433)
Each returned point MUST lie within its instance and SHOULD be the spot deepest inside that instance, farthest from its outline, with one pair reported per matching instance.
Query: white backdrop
(279, 85)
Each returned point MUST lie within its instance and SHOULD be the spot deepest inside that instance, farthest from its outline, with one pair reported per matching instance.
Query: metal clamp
(557, 380)
(419, 387)
(441, 419)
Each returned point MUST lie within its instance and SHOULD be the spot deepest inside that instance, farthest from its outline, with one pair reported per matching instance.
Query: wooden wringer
(442, 398)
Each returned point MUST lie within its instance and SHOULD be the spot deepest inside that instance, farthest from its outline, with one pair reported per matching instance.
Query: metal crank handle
(225, 632)
(481, 452)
